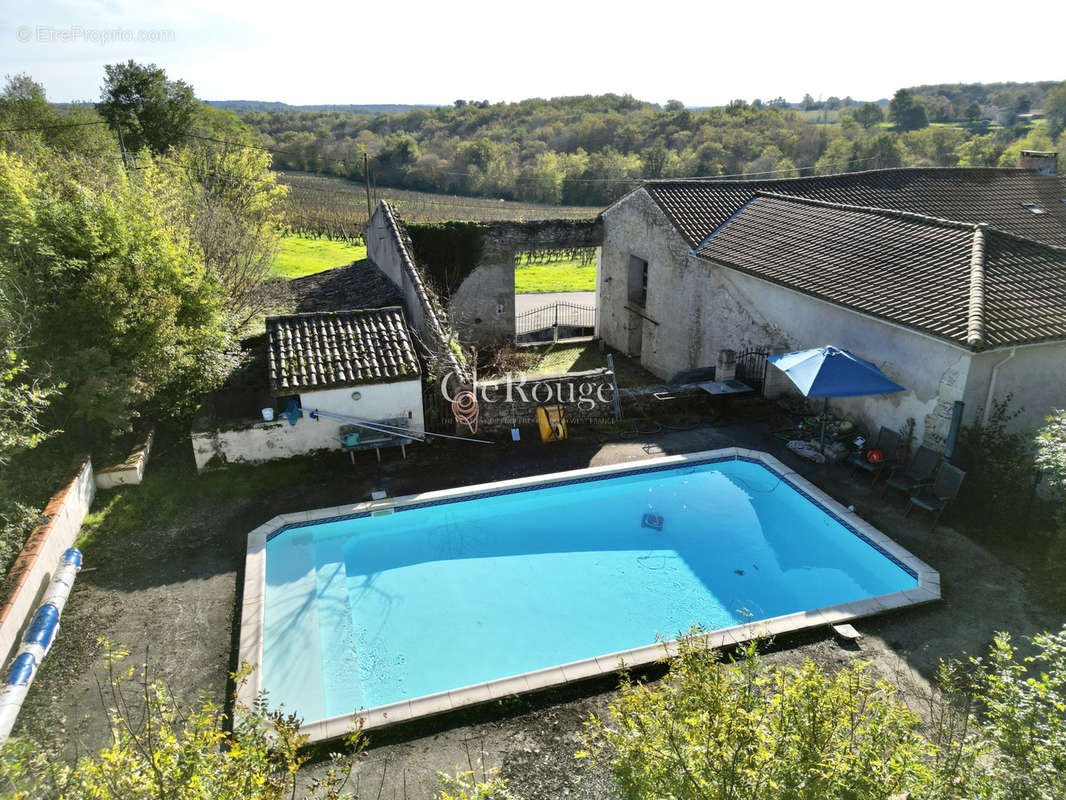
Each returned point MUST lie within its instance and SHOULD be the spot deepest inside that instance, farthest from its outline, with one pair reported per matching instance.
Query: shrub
(747, 729)
(1000, 470)
(160, 749)
(1051, 450)
(1024, 719)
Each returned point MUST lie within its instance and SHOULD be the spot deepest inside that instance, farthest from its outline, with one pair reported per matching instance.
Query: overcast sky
(702, 53)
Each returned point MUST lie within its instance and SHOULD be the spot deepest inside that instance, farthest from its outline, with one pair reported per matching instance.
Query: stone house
(953, 281)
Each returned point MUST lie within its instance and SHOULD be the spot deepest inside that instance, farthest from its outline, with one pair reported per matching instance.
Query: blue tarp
(832, 372)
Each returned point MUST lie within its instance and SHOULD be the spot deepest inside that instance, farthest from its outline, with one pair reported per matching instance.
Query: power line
(50, 127)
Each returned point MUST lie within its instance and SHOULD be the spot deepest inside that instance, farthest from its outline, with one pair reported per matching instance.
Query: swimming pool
(421, 604)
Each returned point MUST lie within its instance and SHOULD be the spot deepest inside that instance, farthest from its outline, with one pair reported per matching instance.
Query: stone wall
(482, 308)
(696, 308)
(130, 471)
(30, 575)
(389, 247)
(585, 397)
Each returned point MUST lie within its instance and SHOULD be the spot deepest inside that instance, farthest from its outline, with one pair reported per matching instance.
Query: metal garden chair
(940, 495)
(919, 472)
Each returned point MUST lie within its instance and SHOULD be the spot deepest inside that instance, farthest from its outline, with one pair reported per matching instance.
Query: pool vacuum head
(653, 521)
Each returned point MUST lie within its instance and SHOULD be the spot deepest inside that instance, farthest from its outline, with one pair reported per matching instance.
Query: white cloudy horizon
(432, 53)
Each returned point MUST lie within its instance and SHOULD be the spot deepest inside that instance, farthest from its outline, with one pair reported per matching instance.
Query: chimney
(1038, 161)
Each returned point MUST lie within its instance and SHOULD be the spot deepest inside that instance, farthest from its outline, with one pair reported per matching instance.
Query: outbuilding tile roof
(358, 285)
(967, 283)
(328, 350)
(996, 197)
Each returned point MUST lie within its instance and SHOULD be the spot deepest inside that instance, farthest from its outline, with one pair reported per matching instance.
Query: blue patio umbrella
(832, 372)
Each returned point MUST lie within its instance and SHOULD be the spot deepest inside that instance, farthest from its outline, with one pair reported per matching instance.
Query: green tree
(653, 161)
(1036, 140)
(934, 146)
(23, 106)
(906, 113)
(120, 306)
(973, 113)
(150, 110)
(868, 115)
(980, 151)
(836, 158)
(22, 402)
(231, 208)
(1055, 110)
(880, 152)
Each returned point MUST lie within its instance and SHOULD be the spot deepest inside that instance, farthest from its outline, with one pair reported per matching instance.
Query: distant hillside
(1006, 96)
(267, 105)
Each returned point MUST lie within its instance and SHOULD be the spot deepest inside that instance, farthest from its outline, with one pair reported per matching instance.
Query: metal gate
(751, 368)
(436, 409)
(555, 321)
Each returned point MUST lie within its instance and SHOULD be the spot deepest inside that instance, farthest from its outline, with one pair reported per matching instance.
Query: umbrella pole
(825, 416)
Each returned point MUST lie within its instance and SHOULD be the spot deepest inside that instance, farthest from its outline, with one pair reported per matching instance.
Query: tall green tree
(868, 115)
(120, 307)
(230, 207)
(907, 113)
(151, 110)
(1055, 110)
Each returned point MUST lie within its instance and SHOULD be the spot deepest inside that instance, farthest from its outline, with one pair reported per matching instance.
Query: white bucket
(268, 414)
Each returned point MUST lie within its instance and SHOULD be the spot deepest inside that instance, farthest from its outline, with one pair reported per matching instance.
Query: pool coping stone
(254, 589)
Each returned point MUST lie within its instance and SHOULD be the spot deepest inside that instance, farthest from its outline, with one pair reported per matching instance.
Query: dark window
(638, 281)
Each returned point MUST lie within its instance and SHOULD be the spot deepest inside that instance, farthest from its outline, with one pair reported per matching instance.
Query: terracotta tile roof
(966, 283)
(327, 350)
(358, 285)
(974, 195)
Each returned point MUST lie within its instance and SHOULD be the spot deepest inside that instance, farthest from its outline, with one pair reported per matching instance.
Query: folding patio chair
(919, 472)
(940, 495)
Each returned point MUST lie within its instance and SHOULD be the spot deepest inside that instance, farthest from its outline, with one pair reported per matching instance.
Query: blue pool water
(370, 611)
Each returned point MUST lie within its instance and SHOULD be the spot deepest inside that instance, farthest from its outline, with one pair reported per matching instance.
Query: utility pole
(122, 146)
(366, 175)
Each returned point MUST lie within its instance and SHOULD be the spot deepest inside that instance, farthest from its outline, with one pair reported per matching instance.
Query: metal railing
(751, 368)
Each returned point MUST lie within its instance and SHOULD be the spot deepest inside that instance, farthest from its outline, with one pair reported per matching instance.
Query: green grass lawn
(555, 276)
(298, 256)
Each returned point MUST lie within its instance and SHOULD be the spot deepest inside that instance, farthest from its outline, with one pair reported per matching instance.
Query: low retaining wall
(255, 443)
(32, 571)
(585, 397)
(130, 471)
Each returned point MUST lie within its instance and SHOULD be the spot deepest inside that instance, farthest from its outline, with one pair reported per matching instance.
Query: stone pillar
(776, 382)
(726, 368)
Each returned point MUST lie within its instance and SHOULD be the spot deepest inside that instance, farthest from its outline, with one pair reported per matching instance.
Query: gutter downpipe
(992, 385)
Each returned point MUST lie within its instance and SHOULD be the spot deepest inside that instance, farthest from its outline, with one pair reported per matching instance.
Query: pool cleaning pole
(381, 427)
(37, 641)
